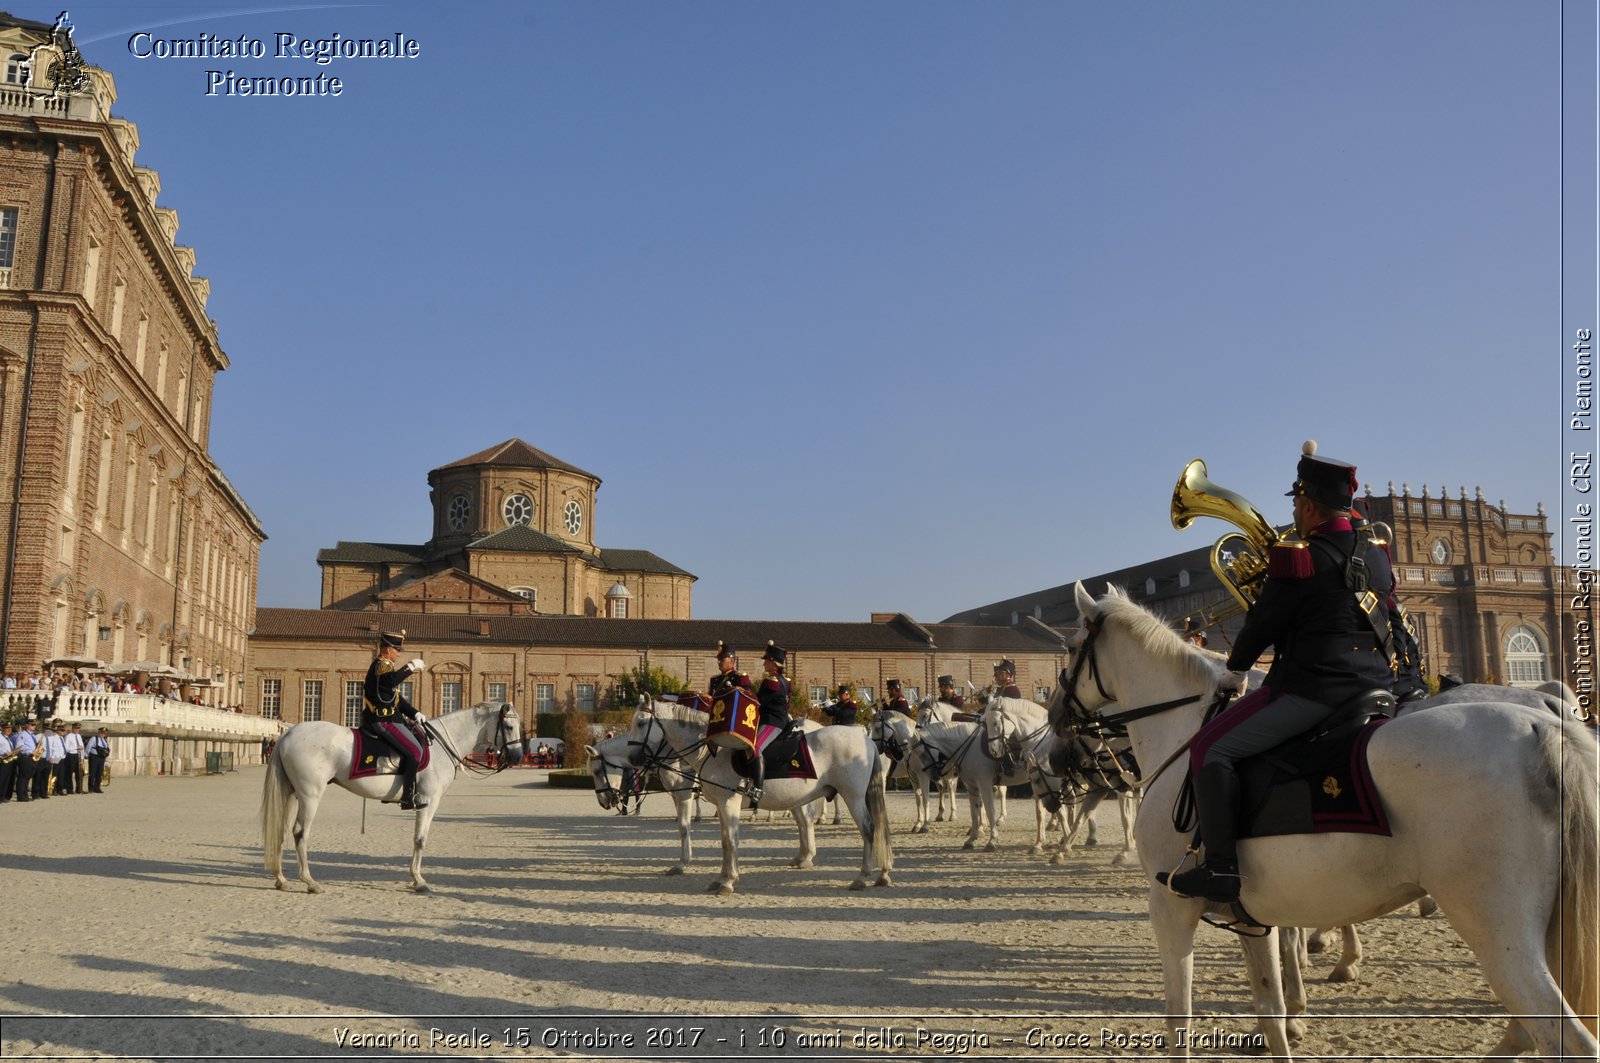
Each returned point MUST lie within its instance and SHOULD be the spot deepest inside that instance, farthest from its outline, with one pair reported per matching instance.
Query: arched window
(17, 69)
(1525, 659)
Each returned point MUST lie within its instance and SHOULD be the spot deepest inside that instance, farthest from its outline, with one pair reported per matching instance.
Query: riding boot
(1216, 792)
(758, 778)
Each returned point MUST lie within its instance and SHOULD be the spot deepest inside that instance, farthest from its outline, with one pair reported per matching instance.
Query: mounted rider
(947, 692)
(895, 700)
(387, 714)
(728, 676)
(844, 711)
(1005, 680)
(1324, 610)
(772, 704)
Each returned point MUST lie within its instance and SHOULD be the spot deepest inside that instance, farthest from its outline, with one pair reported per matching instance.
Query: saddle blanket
(370, 752)
(1323, 787)
(785, 757)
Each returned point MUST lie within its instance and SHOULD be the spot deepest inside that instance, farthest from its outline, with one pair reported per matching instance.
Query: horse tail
(878, 811)
(275, 799)
(1574, 935)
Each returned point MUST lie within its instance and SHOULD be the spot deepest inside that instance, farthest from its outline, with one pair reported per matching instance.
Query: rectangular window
(271, 699)
(91, 273)
(311, 700)
(449, 696)
(497, 692)
(118, 291)
(8, 237)
(544, 697)
(352, 702)
(408, 690)
(864, 695)
(819, 695)
(1042, 694)
(585, 692)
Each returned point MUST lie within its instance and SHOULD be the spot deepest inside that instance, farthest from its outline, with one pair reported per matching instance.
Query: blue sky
(868, 307)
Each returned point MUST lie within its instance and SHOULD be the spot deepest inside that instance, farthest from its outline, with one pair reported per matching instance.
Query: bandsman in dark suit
(25, 743)
(1005, 680)
(97, 749)
(947, 692)
(1323, 610)
(894, 700)
(844, 711)
(772, 702)
(728, 676)
(8, 763)
(386, 713)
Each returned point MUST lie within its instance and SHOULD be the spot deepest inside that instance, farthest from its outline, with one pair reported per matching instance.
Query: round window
(518, 510)
(572, 517)
(458, 512)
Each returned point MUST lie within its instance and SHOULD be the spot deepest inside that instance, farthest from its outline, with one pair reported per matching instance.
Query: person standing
(25, 744)
(386, 713)
(1324, 610)
(71, 782)
(53, 750)
(8, 763)
(97, 750)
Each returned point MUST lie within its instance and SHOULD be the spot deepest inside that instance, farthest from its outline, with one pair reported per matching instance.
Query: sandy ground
(143, 926)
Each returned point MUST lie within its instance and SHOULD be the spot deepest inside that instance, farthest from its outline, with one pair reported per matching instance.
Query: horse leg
(1292, 962)
(1000, 800)
(808, 838)
(1129, 806)
(1040, 819)
(1265, 972)
(419, 840)
(727, 807)
(975, 803)
(989, 814)
(863, 818)
(1348, 969)
(1174, 920)
(309, 800)
(1092, 838)
(685, 851)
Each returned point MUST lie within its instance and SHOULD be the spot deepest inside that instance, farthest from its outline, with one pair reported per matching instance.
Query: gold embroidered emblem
(749, 716)
(719, 712)
(1330, 786)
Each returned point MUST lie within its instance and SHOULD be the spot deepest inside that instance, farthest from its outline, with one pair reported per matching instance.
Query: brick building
(1481, 583)
(126, 541)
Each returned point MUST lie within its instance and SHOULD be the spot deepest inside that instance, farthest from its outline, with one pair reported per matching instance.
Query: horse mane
(1158, 638)
(936, 729)
(674, 711)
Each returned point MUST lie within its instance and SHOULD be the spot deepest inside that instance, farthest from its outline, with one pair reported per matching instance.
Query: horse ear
(1084, 600)
(591, 750)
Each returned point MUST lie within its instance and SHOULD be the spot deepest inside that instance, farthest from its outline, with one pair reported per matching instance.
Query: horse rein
(502, 740)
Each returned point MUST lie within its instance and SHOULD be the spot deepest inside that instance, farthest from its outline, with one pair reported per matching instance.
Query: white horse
(1492, 808)
(935, 711)
(959, 748)
(676, 775)
(845, 760)
(904, 752)
(1078, 774)
(312, 756)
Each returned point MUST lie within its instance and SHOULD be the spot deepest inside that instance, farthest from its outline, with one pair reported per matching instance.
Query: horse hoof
(1122, 860)
(721, 889)
(281, 884)
(1426, 907)
(989, 848)
(883, 880)
(967, 845)
(1344, 974)
(421, 887)
(1314, 944)
(1058, 859)
(1035, 850)
(858, 884)
(313, 887)
(1296, 1030)
(674, 870)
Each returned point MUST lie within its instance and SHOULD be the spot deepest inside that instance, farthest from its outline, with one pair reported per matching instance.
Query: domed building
(514, 524)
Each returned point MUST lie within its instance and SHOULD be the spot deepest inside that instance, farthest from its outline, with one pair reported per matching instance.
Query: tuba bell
(1239, 558)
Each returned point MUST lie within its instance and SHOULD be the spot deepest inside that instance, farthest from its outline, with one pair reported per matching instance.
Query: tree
(643, 681)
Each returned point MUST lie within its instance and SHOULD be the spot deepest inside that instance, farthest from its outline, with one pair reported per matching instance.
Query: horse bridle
(502, 743)
(644, 757)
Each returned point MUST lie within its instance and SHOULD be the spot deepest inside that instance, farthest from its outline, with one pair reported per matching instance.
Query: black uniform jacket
(1324, 647)
(773, 698)
(723, 682)
(381, 700)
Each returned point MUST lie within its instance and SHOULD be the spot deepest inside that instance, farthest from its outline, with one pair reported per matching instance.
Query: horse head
(892, 732)
(605, 758)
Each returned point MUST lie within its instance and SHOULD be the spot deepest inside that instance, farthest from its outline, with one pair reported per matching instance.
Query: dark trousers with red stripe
(1254, 724)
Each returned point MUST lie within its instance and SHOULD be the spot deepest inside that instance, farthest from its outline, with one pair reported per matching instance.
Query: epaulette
(1290, 560)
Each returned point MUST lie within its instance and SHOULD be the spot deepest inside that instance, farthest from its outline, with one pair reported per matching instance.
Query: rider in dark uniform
(844, 711)
(947, 692)
(1323, 610)
(772, 702)
(728, 675)
(1005, 680)
(895, 701)
(386, 713)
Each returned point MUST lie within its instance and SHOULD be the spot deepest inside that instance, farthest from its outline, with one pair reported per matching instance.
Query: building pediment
(449, 591)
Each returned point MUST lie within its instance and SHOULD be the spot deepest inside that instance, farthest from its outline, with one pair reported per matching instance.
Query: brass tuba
(1245, 570)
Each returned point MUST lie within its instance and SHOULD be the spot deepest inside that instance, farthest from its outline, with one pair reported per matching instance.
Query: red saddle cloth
(1325, 787)
(364, 759)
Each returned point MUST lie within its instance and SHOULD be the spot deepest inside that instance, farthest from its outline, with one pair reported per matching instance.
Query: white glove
(1232, 683)
(416, 664)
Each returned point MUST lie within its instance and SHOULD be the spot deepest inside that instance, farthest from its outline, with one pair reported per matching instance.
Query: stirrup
(754, 793)
(1203, 883)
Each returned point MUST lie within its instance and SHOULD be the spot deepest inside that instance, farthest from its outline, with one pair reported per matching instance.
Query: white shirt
(74, 741)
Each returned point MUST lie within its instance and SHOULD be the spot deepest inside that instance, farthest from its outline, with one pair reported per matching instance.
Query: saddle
(1318, 783)
(787, 756)
(373, 754)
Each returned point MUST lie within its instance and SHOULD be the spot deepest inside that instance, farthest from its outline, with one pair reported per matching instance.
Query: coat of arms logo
(66, 73)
